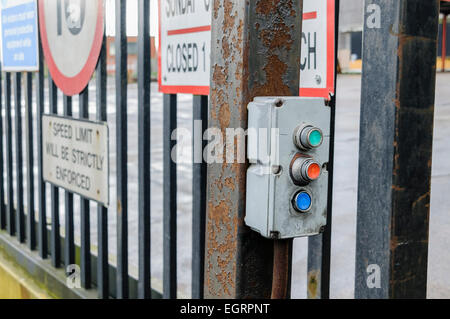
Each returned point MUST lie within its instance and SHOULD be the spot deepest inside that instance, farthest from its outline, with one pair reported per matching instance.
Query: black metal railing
(19, 219)
(388, 103)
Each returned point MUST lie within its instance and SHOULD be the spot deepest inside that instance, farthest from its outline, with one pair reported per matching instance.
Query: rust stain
(228, 17)
(277, 37)
(225, 48)
(424, 197)
(275, 69)
(224, 115)
(218, 97)
(266, 6)
(393, 244)
(219, 76)
(216, 9)
(225, 277)
(398, 188)
(313, 284)
(230, 183)
(240, 30)
(220, 224)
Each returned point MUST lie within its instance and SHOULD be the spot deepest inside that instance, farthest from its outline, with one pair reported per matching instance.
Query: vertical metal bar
(319, 247)
(10, 221)
(69, 243)
(85, 211)
(200, 124)
(261, 60)
(20, 216)
(102, 211)
(396, 137)
(42, 227)
(55, 243)
(2, 163)
(282, 269)
(122, 150)
(31, 223)
(444, 42)
(144, 72)
(169, 199)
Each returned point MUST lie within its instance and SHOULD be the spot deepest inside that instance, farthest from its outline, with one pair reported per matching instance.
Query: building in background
(351, 36)
(132, 48)
(443, 63)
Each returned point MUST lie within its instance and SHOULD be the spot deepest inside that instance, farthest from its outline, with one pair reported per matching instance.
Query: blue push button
(303, 201)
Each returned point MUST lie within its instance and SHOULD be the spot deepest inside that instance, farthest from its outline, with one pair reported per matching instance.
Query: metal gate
(255, 52)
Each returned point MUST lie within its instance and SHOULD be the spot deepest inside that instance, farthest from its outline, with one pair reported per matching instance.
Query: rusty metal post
(255, 52)
(397, 108)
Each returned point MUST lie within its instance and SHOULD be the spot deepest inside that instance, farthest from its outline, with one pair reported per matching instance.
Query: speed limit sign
(71, 34)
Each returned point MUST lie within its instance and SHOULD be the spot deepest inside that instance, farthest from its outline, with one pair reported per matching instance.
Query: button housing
(270, 192)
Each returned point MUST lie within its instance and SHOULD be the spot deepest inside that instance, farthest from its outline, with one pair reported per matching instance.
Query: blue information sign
(19, 35)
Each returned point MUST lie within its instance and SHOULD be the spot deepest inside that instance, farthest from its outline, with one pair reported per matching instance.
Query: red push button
(305, 170)
(313, 171)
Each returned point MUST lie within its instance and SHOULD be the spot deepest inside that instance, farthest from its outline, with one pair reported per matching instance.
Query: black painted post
(42, 228)
(2, 163)
(31, 223)
(20, 215)
(85, 217)
(102, 211)
(144, 73)
(122, 150)
(69, 243)
(55, 241)
(10, 217)
(169, 199)
(397, 106)
(200, 124)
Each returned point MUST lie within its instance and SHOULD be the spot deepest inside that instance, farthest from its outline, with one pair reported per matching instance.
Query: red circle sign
(71, 35)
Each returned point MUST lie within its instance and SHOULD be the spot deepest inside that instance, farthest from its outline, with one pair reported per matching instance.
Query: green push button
(315, 138)
(308, 137)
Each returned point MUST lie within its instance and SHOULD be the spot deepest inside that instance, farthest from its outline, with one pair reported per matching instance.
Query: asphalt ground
(344, 203)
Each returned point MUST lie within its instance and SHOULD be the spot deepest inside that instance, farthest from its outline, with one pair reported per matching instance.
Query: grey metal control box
(287, 181)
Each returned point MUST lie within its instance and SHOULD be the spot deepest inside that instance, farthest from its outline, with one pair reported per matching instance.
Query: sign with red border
(71, 35)
(317, 61)
(184, 48)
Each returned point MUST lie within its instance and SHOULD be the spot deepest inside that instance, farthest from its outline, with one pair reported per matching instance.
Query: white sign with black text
(185, 46)
(76, 156)
(317, 65)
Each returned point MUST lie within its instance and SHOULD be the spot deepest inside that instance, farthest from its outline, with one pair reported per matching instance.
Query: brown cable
(281, 269)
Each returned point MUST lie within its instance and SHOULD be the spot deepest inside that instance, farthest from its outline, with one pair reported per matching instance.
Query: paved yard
(345, 192)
